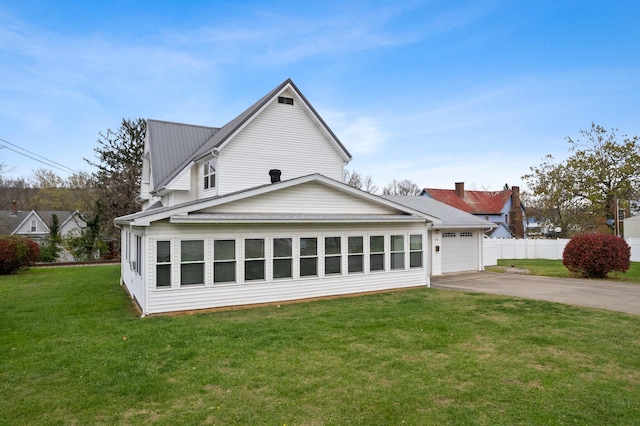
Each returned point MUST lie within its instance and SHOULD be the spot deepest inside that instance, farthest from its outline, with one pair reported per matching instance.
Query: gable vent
(285, 100)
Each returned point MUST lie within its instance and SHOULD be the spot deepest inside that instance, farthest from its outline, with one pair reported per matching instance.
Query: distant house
(36, 224)
(255, 211)
(503, 208)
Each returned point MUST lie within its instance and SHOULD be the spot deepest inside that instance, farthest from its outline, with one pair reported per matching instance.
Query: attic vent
(285, 100)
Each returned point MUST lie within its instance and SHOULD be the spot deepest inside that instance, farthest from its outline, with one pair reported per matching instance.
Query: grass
(72, 351)
(555, 268)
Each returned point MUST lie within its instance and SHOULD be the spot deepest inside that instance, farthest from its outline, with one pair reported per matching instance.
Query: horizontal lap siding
(281, 137)
(307, 198)
(217, 295)
(210, 297)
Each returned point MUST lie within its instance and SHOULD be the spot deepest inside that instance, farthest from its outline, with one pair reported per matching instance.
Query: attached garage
(460, 251)
(456, 242)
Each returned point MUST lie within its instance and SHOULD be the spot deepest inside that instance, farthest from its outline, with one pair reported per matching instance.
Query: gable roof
(185, 211)
(182, 144)
(9, 222)
(450, 217)
(474, 202)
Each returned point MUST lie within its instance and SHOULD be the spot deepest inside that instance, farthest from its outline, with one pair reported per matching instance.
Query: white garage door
(459, 251)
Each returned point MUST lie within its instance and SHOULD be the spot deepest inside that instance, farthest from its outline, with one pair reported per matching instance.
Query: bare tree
(356, 180)
(403, 187)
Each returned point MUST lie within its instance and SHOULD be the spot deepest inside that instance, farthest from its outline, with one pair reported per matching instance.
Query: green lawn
(555, 268)
(74, 352)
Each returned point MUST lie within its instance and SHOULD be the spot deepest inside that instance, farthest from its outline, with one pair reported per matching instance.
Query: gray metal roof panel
(173, 147)
(450, 216)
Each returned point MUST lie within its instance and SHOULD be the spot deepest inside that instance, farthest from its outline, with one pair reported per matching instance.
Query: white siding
(210, 295)
(183, 182)
(311, 197)
(130, 279)
(281, 137)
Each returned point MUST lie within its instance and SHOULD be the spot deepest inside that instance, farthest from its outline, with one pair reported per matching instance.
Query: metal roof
(450, 216)
(171, 147)
(475, 202)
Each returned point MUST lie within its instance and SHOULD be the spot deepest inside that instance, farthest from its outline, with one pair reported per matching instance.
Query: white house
(255, 212)
(36, 224)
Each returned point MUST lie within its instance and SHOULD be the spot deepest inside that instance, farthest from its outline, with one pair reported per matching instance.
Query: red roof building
(503, 208)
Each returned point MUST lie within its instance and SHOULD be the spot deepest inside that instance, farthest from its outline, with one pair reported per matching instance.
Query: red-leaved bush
(595, 255)
(17, 253)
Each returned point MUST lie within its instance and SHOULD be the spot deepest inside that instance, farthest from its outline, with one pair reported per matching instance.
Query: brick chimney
(516, 225)
(14, 208)
(460, 189)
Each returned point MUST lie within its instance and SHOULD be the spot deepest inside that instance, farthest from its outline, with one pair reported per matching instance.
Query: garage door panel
(459, 251)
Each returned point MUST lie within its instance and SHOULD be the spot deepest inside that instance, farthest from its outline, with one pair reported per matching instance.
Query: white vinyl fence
(495, 248)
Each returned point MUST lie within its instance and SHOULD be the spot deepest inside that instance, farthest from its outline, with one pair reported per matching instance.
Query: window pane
(282, 268)
(282, 247)
(356, 263)
(192, 251)
(206, 182)
(309, 266)
(206, 168)
(253, 270)
(224, 250)
(415, 242)
(192, 273)
(163, 251)
(397, 260)
(332, 245)
(376, 244)
(397, 243)
(415, 259)
(254, 249)
(308, 247)
(355, 244)
(163, 276)
(332, 265)
(376, 262)
(224, 272)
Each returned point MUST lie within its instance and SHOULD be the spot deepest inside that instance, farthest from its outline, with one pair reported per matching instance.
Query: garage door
(459, 251)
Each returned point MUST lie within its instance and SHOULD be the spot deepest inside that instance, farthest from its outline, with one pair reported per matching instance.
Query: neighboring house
(36, 224)
(255, 212)
(503, 208)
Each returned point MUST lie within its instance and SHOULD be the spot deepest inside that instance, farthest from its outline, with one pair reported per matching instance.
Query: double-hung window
(397, 252)
(332, 256)
(415, 251)
(163, 264)
(355, 254)
(308, 257)
(282, 258)
(209, 174)
(224, 261)
(191, 262)
(376, 253)
(254, 259)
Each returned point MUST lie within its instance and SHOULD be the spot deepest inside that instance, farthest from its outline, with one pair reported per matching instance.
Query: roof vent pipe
(275, 175)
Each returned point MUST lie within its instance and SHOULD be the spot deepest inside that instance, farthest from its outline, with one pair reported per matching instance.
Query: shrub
(595, 255)
(17, 253)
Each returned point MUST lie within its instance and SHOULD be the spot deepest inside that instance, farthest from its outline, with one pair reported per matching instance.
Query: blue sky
(432, 91)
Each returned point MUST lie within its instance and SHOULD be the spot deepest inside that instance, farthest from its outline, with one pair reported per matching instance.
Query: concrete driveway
(592, 293)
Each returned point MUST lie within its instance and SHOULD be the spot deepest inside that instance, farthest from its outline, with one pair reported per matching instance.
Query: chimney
(275, 175)
(460, 189)
(516, 225)
(14, 208)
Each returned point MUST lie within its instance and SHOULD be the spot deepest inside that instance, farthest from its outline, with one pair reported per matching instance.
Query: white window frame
(315, 256)
(290, 258)
(164, 263)
(209, 172)
(332, 255)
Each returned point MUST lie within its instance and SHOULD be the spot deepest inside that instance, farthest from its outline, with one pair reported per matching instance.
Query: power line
(33, 156)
